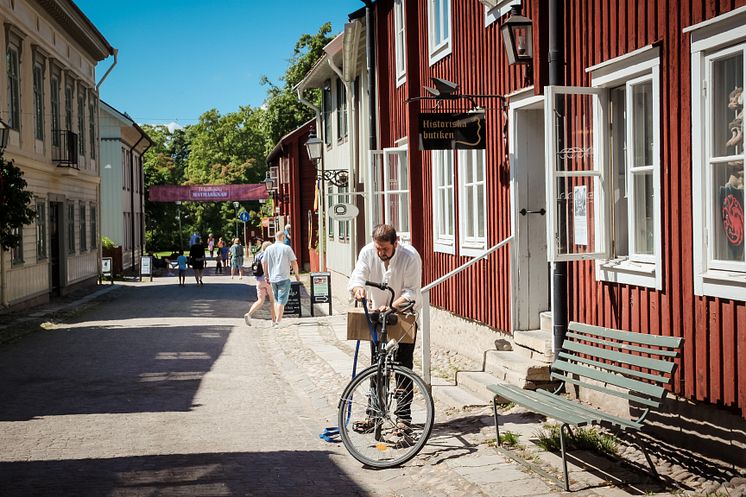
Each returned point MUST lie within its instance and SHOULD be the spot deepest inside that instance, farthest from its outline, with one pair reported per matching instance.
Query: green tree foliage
(15, 201)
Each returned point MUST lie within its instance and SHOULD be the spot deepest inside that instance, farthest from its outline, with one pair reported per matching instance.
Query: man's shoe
(247, 319)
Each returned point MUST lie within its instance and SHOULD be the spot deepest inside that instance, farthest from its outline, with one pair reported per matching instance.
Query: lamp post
(178, 216)
(235, 206)
(315, 148)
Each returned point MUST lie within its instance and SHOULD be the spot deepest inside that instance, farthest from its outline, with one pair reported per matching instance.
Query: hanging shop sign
(444, 131)
(343, 212)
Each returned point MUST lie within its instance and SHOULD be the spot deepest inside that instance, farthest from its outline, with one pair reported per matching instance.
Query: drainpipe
(115, 53)
(370, 56)
(132, 196)
(142, 202)
(352, 133)
(322, 204)
(559, 269)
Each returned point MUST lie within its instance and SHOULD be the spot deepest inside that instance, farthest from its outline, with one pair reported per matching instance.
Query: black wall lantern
(518, 37)
(314, 147)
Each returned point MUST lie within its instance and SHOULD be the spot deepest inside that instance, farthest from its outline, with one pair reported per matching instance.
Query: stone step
(455, 396)
(475, 383)
(504, 364)
(537, 341)
(546, 321)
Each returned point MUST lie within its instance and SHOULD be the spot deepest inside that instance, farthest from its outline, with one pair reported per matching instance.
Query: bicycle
(386, 412)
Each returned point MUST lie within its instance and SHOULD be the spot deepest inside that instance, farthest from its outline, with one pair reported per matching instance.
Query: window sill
(401, 79)
(440, 52)
(472, 250)
(628, 272)
(722, 284)
(444, 247)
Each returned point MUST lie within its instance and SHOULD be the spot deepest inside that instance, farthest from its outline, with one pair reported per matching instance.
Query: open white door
(573, 117)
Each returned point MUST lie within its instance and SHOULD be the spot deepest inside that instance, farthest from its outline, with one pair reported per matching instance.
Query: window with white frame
(630, 139)
(443, 208)
(391, 190)
(54, 94)
(81, 120)
(16, 253)
(718, 75)
(472, 202)
(94, 227)
(341, 110)
(92, 125)
(82, 231)
(326, 102)
(70, 228)
(13, 66)
(38, 97)
(330, 196)
(439, 29)
(343, 226)
(68, 104)
(400, 42)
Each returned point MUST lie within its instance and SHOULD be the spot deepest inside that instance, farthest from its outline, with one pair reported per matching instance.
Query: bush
(107, 243)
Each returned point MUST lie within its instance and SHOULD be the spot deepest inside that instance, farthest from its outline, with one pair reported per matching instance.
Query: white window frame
(400, 42)
(439, 48)
(631, 69)
(711, 38)
(472, 246)
(495, 9)
(382, 195)
(443, 188)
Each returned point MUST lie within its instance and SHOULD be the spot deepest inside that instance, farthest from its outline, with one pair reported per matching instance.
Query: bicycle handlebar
(384, 287)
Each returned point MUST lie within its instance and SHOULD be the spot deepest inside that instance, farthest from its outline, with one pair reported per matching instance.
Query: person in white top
(277, 261)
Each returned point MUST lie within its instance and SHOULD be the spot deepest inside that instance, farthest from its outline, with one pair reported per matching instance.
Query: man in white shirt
(277, 261)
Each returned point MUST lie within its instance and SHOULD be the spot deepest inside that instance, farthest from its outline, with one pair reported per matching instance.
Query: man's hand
(358, 293)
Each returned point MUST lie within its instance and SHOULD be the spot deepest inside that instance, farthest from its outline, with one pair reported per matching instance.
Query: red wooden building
(293, 193)
(636, 160)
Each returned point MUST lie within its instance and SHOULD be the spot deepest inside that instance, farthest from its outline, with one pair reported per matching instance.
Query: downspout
(142, 201)
(322, 203)
(370, 56)
(115, 53)
(352, 182)
(132, 196)
(559, 270)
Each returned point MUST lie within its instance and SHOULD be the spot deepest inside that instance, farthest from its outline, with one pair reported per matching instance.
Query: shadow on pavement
(283, 473)
(100, 369)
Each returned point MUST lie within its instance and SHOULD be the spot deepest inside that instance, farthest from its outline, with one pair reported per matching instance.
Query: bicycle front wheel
(386, 417)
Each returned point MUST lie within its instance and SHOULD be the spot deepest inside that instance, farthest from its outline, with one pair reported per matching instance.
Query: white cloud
(173, 126)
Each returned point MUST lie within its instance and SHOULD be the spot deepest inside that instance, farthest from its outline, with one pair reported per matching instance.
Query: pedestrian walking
(182, 262)
(219, 255)
(236, 252)
(277, 262)
(287, 234)
(197, 256)
(224, 256)
(263, 288)
(211, 244)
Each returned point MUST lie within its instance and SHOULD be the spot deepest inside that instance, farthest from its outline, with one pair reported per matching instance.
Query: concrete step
(456, 396)
(546, 321)
(504, 364)
(537, 341)
(475, 383)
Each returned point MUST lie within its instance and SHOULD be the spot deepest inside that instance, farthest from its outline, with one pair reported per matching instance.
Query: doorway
(55, 246)
(530, 266)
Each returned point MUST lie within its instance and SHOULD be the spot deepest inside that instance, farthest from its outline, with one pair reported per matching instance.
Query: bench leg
(564, 456)
(653, 472)
(497, 426)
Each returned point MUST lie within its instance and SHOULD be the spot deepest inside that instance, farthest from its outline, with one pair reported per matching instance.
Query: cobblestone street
(162, 390)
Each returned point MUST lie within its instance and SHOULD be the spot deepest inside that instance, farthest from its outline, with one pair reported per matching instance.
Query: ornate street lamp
(314, 147)
(517, 37)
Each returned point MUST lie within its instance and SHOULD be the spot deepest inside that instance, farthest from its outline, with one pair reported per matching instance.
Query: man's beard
(385, 257)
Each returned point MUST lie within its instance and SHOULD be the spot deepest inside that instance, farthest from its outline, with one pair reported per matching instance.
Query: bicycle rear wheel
(385, 420)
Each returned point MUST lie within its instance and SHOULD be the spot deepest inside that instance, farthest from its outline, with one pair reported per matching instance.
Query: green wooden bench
(633, 366)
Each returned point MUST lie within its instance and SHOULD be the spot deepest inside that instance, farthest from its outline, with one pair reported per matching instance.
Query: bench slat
(622, 357)
(640, 374)
(648, 389)
(636, 348)
(530, 400)
(627, 336)
(635, 398)
(592, 411)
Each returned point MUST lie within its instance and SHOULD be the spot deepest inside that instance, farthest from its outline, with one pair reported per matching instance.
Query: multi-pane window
(124, 168)
(41, 229)
(443, 211)
(400, 42)
(439, 28)
(473, 201)
(38, 99)
(70, 228)
(326, 97)
(81, 120)
(69, 107)
(82, 228)
(344, 226)
(16, 253)
(391, 190)
(92, 126)
(14, 84)
(341, 110)
(55, 101)
(330, 197)
(94, 227)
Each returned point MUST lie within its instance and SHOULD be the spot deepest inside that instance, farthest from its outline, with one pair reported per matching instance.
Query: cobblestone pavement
(162, 390)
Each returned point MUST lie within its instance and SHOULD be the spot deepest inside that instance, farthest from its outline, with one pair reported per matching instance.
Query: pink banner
(206, 193)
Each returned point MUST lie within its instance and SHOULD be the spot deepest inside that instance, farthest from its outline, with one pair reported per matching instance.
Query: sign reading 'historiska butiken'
(444, 131)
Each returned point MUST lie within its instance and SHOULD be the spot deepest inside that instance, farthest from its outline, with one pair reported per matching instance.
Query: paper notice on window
(580, 217)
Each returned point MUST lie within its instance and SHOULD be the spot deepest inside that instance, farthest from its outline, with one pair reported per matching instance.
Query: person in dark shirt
(197, 256)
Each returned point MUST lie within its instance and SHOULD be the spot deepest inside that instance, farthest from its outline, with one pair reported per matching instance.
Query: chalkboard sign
(293, 305)
(321, 290)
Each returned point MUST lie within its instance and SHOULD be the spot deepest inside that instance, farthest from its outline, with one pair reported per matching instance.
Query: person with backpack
(263, 288)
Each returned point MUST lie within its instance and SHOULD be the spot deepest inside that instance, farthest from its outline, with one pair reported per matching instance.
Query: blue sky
(179, 58)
